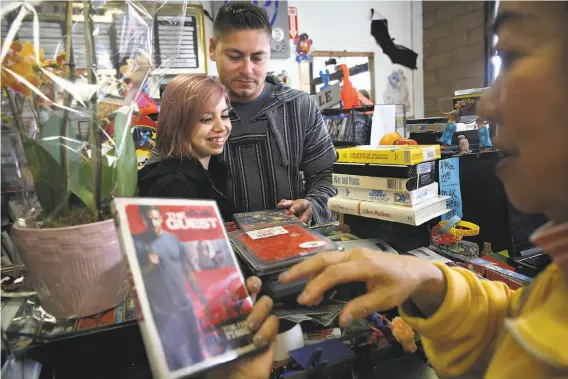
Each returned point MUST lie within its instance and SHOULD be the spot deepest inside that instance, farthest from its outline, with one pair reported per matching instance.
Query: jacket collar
(280, 95)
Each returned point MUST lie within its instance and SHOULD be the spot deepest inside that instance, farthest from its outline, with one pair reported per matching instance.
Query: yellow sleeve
(459, 337)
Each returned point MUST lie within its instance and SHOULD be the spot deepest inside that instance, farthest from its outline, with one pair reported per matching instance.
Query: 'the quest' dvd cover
(192, 298)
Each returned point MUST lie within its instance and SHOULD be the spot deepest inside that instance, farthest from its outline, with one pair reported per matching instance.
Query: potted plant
(68, 241)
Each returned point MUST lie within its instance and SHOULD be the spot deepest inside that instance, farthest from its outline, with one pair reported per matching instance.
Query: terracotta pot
(76, 271)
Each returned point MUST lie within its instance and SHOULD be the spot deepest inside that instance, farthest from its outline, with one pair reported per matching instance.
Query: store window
(494, 60)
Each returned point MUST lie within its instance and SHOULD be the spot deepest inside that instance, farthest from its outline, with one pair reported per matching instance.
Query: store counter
(109, 345)
(116, 351)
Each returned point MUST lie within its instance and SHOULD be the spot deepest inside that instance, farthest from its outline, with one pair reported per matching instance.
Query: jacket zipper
(219, 192)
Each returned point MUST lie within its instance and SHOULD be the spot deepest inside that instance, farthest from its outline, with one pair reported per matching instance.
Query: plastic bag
(78, 82)
(78, 86)
(24, 369)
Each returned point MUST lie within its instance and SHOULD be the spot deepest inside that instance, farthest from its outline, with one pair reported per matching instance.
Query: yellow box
(390, 154)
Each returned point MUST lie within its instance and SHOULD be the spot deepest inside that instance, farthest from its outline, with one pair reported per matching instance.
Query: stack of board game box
(268, 242)
(391, 183)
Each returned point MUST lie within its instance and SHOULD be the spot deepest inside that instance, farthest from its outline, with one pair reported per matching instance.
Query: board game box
(383, 170)
(191, 297)
(264, 219)
(275, 248)
(389, 154)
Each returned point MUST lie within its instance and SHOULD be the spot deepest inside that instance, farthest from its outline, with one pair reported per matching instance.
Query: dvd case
(264, 219)
(191, 294)
(273, 249)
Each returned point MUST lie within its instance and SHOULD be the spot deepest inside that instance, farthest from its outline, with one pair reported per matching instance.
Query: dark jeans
(179, 332)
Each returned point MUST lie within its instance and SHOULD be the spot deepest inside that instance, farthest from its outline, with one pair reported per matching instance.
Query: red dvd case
(191, 294)
(273, 249)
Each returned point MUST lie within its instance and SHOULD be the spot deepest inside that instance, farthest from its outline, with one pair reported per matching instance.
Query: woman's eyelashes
(207, 120)
(508, 59)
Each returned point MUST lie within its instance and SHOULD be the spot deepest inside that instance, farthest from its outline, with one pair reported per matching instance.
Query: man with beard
(279, 153)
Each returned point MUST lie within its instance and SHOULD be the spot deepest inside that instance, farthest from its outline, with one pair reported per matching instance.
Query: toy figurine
(349, 95)
(485, 143)
(404, 334)
(303, 47)
(451, 127)
(324, 79)
(464, 145)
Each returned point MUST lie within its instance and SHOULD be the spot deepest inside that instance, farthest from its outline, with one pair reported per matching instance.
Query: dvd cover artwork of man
(195, 290)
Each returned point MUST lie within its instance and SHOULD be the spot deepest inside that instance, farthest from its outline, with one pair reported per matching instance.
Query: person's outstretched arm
(459, 315)
(459, 334)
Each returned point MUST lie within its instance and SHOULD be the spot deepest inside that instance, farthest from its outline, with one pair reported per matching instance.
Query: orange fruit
(390, 138)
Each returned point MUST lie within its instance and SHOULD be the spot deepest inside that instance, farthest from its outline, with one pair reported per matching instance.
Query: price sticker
(312, 244)
(267, 232)
(423, 168)
(429, 153)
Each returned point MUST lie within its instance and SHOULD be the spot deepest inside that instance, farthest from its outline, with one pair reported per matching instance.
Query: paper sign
(267, 232)
(429, 153)
(424, 168)
(329, 96)
(384, 121)
(293, 22)
(450, 186)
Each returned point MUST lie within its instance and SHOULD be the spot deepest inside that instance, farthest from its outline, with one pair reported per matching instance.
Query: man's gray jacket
(284, 152)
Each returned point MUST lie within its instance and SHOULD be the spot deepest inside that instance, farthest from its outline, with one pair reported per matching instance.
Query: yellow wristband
(463, 228)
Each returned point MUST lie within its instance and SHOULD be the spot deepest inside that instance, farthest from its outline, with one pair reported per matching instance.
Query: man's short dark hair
(240, 15)
(145, 212)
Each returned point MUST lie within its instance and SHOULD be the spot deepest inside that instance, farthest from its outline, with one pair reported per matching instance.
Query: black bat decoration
(398, 54)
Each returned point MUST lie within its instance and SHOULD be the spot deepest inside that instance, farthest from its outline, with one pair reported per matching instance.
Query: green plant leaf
(52, 142)
(81, 181)
(108, 178)
(50, 182)
(126, 164)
